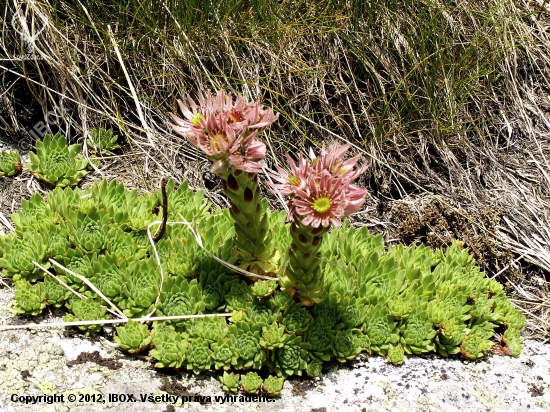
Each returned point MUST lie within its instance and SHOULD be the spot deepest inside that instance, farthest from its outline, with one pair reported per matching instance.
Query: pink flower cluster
(321, 189)
(225, 130)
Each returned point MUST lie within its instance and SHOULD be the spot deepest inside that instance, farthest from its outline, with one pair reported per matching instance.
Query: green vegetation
(56, 163)
(435, 92)
(392, 302)
(10, 163)
(102, 141)
(422, 86)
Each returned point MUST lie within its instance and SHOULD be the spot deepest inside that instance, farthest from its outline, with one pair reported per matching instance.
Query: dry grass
(449, 103)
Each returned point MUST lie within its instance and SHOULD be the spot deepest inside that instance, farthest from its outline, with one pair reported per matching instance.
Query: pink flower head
(322, 203)
(331, 161)
(296, 179)
(224, 130)
(321, 190)
(355, 197)
(245, 154)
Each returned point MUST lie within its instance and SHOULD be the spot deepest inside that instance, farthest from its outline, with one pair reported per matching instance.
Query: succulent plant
(107, 277)
(273, 385)
(57, 240)
(102, 141)
(56, 294)
(483, 329)
(61, 201)
(417, 333)
(514, 319)
(114, 197)
(327, 312)
(35, 215)
(79, 263)
(212, 328)
(474, 347)
(245, 338)
(251, 383)
(230, 382)
(314, 369)
(438, 311)
(179, 296)
(260, 314)
(89, 231)
(346, 345)
(226, 132)
(296, 319)
(123, 247)
(513, 341)
(86, 309)
(224, 354)
(161, 328)
(303, 275)
(281, 300)
(381, 329)
(192, 206)
(141, 211)
(30, 299)
(291, 359)
(217, 233)
(20, 252)
(133, 337)
(170, 350)
(213, 285)
(140, 287)
(273, 336)
(199, 356)
(396, 354)
(56, 163)
(238, 316)
(390, 302)
(320, 338)
(321, 192)
(353, 311)
(10, 163)
(450, 336)
(239, 297)
(263, 288)
(482, 309)
(253, 248)
(400, 307)
(183, 257)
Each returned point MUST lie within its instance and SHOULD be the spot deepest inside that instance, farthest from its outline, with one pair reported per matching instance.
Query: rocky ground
(55, 361)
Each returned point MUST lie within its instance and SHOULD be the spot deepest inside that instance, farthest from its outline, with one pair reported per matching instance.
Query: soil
(96, 358)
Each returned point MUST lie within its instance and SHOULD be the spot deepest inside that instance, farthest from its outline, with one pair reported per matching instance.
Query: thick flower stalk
(321, 192)
(226, 132)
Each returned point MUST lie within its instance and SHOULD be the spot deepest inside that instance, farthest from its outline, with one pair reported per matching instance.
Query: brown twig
(162, 229)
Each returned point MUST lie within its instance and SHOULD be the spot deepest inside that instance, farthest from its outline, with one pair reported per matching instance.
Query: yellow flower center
(196, 119)
(321, 205)
(293, 180)
(216, 139)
